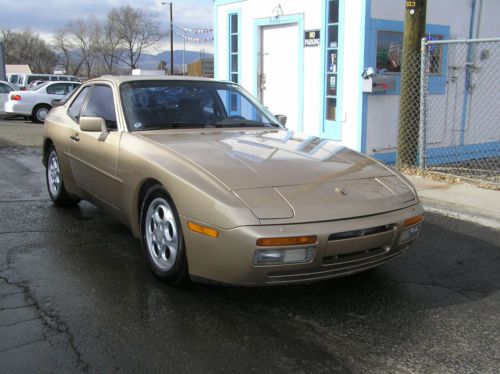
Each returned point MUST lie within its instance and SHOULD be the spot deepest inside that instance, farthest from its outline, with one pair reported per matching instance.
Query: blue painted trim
(215, 12)
(468, 76)
(229, 13)
(332, 129)
(363, 97)
(443, 155)
(437, 83)
(271, 21)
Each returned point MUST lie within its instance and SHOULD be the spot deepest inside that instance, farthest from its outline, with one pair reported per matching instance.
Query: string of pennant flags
(182, 31)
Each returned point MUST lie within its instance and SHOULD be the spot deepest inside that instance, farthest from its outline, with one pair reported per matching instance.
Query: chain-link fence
(456, 127)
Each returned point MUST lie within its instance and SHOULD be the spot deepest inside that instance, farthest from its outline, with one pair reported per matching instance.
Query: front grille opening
(361, 233)
(353, 256)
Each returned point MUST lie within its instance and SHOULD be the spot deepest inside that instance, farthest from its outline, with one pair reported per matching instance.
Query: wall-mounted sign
(311, 38)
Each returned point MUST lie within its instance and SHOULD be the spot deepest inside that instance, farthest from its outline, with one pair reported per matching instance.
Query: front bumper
(229, 258)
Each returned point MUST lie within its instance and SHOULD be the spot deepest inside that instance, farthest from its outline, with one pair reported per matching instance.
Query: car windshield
(163, 104)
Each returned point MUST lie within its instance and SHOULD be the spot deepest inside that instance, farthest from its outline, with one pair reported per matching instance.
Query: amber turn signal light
(203, 230)
(413, 220)
(296, 240)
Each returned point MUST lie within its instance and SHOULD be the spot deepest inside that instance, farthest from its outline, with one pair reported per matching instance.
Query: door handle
(75, 137)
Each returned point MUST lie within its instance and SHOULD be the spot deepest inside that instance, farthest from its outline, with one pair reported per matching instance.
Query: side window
(58, 89)
(76, 105)
(53, 77)
(100, 104)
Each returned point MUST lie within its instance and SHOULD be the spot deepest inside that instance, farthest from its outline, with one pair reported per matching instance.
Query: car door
(93, 155)
(5, 89)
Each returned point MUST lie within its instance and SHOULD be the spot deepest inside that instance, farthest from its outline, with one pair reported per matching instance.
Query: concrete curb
(459, 211)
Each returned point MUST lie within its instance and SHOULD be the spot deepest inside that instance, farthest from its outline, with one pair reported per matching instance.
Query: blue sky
(44, 16)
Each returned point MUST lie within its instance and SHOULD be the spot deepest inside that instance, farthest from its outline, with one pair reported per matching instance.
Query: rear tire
(55, 183)
(39, 113)
(162, 238)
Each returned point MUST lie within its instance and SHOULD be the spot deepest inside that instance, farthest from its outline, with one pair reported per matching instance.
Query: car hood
(286, 179)
(271, 158)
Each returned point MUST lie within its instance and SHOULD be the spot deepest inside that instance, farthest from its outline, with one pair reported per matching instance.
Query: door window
(101, 104)
(76, 106)
(59, 89)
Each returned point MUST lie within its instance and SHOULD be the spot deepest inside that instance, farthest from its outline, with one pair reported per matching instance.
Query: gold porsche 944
(216, 187)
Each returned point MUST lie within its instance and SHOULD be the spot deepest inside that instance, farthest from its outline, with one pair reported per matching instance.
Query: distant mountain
(149, 61)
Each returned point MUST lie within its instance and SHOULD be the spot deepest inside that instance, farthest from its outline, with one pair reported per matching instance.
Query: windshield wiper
(239, 122)
(171, 125)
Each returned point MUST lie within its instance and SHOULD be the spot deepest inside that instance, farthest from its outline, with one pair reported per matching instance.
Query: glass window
(333, 11)
(233, 48)
(32, 78)
(59, 89)
(390, 52)
(101, 104)
(332, 52)
(183, 104)
(76, 105)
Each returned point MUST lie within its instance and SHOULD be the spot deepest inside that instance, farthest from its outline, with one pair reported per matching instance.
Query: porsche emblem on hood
(341, 191)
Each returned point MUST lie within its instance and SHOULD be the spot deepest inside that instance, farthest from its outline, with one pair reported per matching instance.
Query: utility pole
(409, 110)
(171, 41)
(2, 63)
(171, 38)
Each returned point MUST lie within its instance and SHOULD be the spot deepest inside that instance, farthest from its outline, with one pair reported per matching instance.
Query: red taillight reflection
(15, 97)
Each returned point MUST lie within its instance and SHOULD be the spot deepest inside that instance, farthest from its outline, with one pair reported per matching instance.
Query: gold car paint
(229, 258)
(201, 190)
(195, 194)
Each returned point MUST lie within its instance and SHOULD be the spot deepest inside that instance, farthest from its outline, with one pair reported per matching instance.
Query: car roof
(118, 79)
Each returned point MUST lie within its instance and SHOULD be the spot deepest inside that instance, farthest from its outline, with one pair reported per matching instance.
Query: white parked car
(37, 103)
(5, 89)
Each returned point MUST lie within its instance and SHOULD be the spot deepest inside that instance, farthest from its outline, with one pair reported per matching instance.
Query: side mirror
(92, 124)
(281, 118)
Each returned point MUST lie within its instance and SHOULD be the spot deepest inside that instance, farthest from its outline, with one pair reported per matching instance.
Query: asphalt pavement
(77, 296)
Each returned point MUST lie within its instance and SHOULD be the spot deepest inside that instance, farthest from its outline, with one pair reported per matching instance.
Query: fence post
(422, 138)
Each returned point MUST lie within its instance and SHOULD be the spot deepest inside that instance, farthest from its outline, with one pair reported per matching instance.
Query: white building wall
(382, 110)
(313, 96)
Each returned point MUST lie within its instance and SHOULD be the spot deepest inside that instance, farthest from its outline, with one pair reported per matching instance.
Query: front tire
(55, 184)
(162, 238)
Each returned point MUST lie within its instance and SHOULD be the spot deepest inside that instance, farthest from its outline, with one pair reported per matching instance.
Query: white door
(278, 80)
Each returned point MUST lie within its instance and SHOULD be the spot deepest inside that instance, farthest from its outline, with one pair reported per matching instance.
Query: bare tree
(109, 45)
(65, 48)
(136, 29)
(83, 38)
(26, 47)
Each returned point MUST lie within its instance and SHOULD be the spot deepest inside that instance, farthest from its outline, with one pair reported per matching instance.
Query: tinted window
(100, 104)
(59, 89)
(4, 88)
(150, 105)
(76, 105)
(32, 78)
